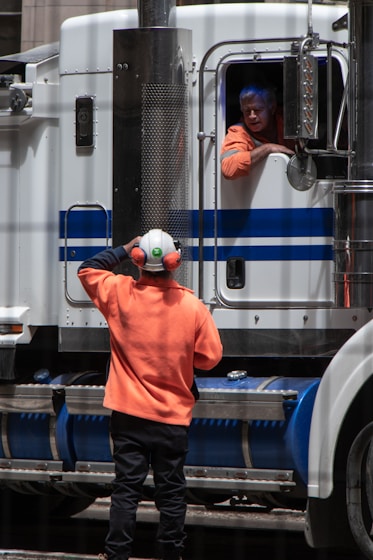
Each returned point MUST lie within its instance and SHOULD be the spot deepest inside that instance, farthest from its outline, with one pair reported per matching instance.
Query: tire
(359, 490)
(16, 506)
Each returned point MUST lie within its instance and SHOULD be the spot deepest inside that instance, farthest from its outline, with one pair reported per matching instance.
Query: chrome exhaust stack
(353, 199)
(151, 175)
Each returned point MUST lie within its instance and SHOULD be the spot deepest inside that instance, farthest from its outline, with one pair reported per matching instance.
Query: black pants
(138, 444)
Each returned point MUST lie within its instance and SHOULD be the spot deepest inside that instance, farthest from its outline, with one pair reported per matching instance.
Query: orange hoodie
(159, 331)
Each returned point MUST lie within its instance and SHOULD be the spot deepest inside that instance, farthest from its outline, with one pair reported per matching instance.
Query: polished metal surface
(213, 403)
(151, 150)
(353, 243)
(353, 200)
(156, 13)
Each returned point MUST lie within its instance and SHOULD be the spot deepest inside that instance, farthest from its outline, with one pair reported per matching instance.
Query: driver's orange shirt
(235, 155)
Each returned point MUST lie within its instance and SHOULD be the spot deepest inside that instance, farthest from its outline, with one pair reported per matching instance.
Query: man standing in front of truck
(259, 134)
(159, 332)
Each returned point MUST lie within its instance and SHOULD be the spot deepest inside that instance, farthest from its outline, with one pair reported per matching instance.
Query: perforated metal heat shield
(151, 186)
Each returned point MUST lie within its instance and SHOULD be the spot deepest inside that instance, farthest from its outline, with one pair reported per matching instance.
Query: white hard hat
(156, 252)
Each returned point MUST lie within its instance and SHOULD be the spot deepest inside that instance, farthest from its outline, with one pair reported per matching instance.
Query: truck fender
(350, 368)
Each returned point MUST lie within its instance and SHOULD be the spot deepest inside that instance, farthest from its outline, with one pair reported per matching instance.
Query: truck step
(86, 399)
(201, 477)
(213, 403)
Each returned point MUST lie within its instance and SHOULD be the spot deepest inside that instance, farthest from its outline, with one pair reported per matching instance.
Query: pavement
(34, 555)
(223, 516)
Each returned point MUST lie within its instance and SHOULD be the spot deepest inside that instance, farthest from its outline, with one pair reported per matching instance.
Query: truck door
(273, 243)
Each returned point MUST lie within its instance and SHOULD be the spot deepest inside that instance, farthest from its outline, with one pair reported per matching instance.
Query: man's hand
(263, 151)
(130, 245)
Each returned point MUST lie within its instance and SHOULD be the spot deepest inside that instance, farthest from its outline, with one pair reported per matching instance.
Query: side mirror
(301, 172)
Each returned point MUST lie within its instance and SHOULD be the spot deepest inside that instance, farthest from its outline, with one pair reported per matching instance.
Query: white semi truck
(117, 129)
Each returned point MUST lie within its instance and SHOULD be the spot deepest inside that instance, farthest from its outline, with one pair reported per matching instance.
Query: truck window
(239, 75)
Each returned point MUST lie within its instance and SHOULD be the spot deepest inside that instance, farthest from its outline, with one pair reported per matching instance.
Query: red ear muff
(138, 256)
(171, 261)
